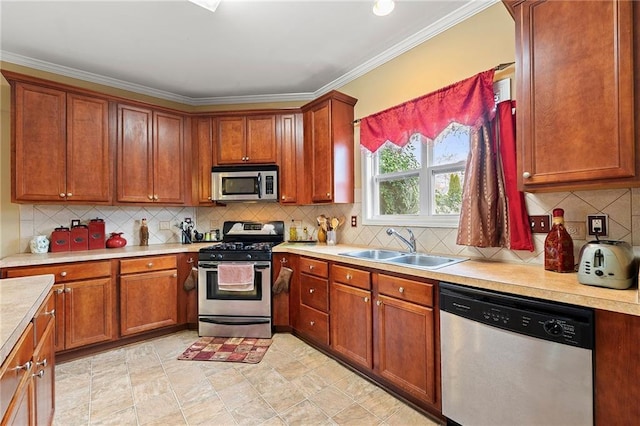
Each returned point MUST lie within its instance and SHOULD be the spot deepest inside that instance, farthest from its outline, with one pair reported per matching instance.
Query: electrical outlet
(165, 225)
(598, 225)
(540, 224)
(354, 221)
(577, 230)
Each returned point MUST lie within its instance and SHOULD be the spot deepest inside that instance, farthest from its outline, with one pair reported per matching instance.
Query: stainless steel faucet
(411, 242)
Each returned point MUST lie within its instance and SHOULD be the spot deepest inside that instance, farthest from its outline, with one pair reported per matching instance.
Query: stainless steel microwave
(244, 183)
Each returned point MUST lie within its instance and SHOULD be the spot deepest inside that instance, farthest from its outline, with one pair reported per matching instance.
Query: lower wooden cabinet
(148, 300)
(311, 299)
(282, 316)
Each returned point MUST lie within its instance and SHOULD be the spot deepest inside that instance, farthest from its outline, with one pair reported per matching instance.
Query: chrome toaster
(607, 263)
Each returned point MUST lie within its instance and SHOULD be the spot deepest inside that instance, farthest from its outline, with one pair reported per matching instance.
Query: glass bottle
(293, 231)
(144, 233)
(558, 246)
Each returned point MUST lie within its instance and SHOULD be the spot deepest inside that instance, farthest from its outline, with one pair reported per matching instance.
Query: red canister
(96, 234)
(79, 238)
(60, 239)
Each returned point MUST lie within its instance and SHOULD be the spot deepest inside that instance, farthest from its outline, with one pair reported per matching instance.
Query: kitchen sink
(373, 254)
(414, 260)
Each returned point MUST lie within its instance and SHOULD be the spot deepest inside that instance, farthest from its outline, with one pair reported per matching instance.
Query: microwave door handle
(259, 185)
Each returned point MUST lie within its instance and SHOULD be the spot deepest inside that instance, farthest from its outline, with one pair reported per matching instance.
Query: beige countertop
(20, 299)
(514, 278)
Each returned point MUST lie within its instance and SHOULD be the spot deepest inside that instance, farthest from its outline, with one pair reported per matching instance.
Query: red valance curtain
(469, 102)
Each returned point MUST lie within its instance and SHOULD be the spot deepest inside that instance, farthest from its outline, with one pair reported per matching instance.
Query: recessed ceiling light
(211, 5)
(383, 7)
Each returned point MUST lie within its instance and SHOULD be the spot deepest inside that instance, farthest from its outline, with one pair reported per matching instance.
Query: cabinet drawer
(319, 268)
(44, 315)
(147, 264)
(15, 367)
(315, 324)
(351, 276)
(413, 291)
(314, 292)
(66, 272)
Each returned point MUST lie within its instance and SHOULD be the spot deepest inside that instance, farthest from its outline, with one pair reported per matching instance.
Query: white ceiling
(247, 51)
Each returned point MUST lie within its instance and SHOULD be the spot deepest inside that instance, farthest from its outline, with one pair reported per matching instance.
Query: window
(418, 184)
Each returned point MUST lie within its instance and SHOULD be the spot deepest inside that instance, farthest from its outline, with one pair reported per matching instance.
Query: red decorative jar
(116, 240)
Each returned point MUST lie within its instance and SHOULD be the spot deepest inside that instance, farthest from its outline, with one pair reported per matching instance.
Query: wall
(480, 43)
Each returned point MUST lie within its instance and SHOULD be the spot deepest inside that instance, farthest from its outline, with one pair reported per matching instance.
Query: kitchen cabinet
(290, 157)
(150, 156)
(405, 323)
(60, 143)
(187, 300)
(351, 314)
(246, 139)
(27, 375)
(576, 126)
(329, 149)
(283, 317)
(148, 294)
(84, 302)
(312, 317)
(203, 155)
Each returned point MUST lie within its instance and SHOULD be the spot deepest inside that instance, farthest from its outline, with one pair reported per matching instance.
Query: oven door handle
(214, 266)
(236, 321)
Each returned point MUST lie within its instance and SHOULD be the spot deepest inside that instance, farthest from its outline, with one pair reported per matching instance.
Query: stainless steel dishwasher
(509, 360)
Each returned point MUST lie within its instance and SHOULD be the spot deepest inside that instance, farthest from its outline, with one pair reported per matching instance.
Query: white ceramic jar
(39, 244)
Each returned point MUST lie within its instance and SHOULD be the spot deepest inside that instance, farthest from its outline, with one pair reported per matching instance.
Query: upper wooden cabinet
(575, 88)
(151, 156)
(60, 144)
(245, 139)
(203, 155)
(329, 149)
(290, 158)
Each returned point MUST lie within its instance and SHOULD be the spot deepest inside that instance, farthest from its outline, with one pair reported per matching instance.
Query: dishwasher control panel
(566, 324)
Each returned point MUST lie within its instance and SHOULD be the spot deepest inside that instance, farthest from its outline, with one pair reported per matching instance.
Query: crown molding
(421, 36)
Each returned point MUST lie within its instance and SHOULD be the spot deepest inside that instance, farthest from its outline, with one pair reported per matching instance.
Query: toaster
(607, 263)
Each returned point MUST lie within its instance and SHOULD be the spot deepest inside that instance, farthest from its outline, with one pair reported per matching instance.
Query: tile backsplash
(621, 205)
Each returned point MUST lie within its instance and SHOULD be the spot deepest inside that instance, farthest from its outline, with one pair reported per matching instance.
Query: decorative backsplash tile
(621, 205)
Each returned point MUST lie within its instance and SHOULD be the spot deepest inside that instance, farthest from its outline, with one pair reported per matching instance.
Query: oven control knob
(553, 327)
(249, 256)
(219, 256)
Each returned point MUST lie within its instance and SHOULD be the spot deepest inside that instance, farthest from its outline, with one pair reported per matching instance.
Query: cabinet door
(261, 139)
(88, 312)
(168, 158)
(59, 320)
(290, 157)
(575, 106)
(231, 140)
(135, 155)
(88, 158)
(148, 301)
(352, 323)
(280, 302)
(203, 158)
(44, 377)
(39, 135)
(405, 346)
(319, 152)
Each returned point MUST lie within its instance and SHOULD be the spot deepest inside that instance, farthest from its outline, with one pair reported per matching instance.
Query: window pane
(401, 196)
(395, 159)
(451, 146)
(448, 192)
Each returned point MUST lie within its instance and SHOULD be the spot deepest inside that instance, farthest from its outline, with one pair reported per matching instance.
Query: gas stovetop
(245, 241)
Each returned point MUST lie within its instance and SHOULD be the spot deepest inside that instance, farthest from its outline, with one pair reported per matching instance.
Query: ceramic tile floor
(294, 384)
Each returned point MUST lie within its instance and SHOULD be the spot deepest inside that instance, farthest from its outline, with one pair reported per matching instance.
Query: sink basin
(373, 254)
(425, 261)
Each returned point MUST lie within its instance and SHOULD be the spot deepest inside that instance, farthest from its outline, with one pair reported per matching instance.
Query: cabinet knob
(366, 299)
(378, 302)
(155, 197)
(283, 260)
(59, 291)
(39, 374)
(150, 196)
(26, 366)
(328, 195)
(526, 175)
(401, 289)
(67, 290)
(190, 260)
(150, 265)
(312, 323)
(51, 312)
(311, 290)
(63, 273)
(61, 195)
(42, 363)
(282, 197)
(174, 275)
(310, 267)
(69, 194)
(348, 277)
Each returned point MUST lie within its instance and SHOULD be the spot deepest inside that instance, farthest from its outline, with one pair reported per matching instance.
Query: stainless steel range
(234, 281)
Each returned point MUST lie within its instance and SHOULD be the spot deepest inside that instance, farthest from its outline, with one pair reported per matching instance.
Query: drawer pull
(63, 273)
(401, 289)
(26, 366)
(150, 265)
(310, 267)
(312, 323)
(39, 374)
(349, 277)
(311, 290)
(366, 299)
(379, 302)
(42, 363)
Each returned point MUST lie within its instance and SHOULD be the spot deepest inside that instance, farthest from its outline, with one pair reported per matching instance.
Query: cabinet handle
(401, 289)
(378, 302)
(39, 374)
(209, 198)
(63, 273)
(150, 265)
(61, 195)
(366, 299)
(328, 195)
(51, 312)
(526, 175)
(174, 275)
(190, 260)
(349, 277)
(59, 291)
(42, 363)
(69, 194)
(283, 260)
(155, 197)
(312, 323)
(311, 290)
(150, 196)
(282, 197)
(310, 267)
(26, 366)
(67, 290)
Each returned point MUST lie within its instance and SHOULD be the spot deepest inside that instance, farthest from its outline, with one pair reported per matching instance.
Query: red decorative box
(79, 238)
(60, 239)
(96, 234)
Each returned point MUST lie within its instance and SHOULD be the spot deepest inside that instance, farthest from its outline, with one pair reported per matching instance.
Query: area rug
(230, 349)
